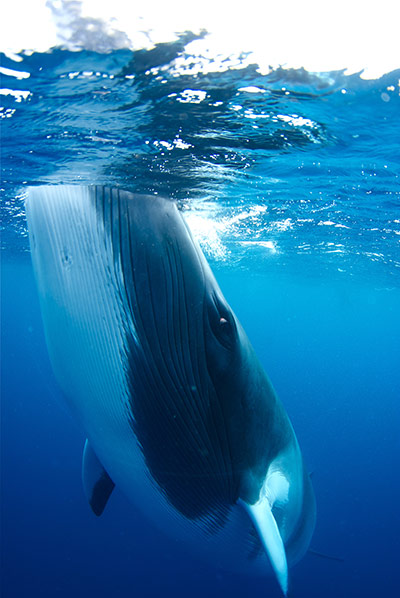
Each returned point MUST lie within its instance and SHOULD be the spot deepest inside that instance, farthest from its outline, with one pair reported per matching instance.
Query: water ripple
(277, 166)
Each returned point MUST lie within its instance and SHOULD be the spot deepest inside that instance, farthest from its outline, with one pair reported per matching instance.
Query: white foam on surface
(316, 35)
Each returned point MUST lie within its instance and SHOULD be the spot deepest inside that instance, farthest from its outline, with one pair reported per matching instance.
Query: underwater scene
(289, 182)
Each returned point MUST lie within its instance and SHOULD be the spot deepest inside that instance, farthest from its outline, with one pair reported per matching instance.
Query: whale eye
(222, 322)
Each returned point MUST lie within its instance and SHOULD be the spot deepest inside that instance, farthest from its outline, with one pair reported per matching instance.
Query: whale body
(156, 368)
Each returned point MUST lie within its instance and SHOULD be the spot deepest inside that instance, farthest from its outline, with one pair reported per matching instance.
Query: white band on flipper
(268, 531)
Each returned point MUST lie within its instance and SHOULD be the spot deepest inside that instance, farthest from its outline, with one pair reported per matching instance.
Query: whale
(177, 410)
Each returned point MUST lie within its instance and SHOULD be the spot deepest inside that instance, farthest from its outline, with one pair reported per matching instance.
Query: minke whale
(156, 368)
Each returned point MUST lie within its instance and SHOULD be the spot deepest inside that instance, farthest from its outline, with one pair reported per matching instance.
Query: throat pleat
(173, 408)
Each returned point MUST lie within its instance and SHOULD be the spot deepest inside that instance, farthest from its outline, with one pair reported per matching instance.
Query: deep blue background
(332, 352)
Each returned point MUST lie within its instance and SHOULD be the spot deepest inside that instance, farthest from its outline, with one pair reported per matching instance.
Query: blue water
(291, 183)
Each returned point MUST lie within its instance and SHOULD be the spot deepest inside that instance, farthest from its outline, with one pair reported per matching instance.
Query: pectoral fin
(268, 531)
(97, 484)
